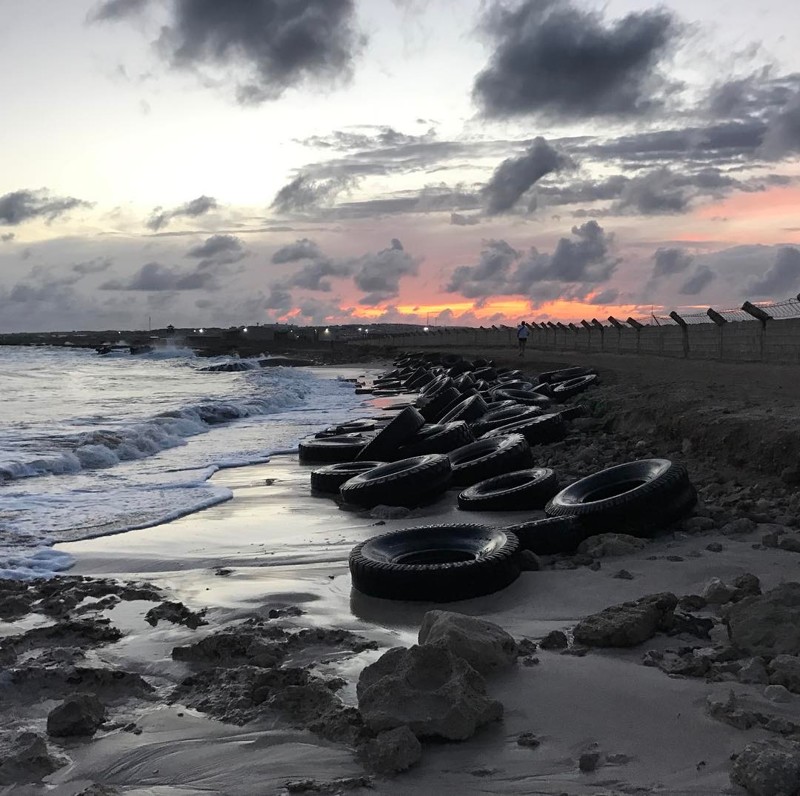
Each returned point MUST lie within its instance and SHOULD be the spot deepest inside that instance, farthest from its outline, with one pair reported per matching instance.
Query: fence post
(763, 317)
(602, 329)
(720, 323)
(634, 324)
(684, 331)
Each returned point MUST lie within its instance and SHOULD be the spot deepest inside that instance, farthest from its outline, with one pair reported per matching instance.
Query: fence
(764, 332)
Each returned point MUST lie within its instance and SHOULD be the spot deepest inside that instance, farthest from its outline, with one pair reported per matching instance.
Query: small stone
(529, 740)
(595, 566)
(785, 670)
(389, 512)
(747, 585)
(715, 547)
(675, 558)
(777, 693)
(740, 526)
(791, 476)
(623, 574)
(716, 592)
(790, 543)
(605, 545)
(589, 762)
(555, 640)
(698, 524)
(692, 602)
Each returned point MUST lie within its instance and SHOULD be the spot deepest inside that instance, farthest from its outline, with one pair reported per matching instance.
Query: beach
(275, 555)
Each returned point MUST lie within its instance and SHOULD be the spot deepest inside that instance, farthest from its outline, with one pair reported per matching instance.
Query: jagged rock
(768, 768)
(391, 751)
(715, 592)
(26, 759)
(785, 670)
(754, 671)
(79, 715)
(746, 585)
(554, 640)
(529, 740)
(628, 624)
(428, 688)
(484, 645)
(714, 547)
(742, 525)
(611, 544)
(177, 613)
(302, 704)
(768, 624)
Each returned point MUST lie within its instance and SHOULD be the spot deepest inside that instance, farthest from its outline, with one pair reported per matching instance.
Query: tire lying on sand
(350, 427)
(524, 397)
(468, 409)
(502, 417)
(436, 438)
(438, 563)
(538, 430)
(490, 457)
(556, 376)
(564, 390)
(521, 489)
(329, 479)
(341, 448)
(638, 497)
(549, 536)
(383, 445)
(409, 482)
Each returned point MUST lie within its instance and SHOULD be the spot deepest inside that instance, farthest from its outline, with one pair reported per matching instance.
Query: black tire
(502, 417)
(409, 482)
(639, 497)
(442, 438)
(567, 389)
(432, 410)
(514, 384)
(329, 479)
(428, 392)
(550, 536)
(510, 375)
(341, 448)
(538, 430)
(463, 382)
(556, 376)
(493, 406)
(437, 563)
(571, 412)
(486, 458)
(525, 397)
(484, 374)
(350, 427)
(522, 489)
(469, 409)
(418, 379)
(395, 433)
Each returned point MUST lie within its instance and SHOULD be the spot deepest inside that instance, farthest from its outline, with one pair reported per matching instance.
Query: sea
(92, 445)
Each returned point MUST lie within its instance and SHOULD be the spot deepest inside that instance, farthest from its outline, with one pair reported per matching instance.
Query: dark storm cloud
(303, 249)
(96, 266)
(783, 134)
(701, 278)
(160, 218)
(314, 275)
(306, 192)
(113, 10)
(489, 276)
(273, 44)
(782, 278)
(460, 220)
(278, 299)
(758, 94)
(218, 250)
(556, 59)
(20, 206)
(670, 261)
(514, 176)
(378, 275)
(318, 311)
(155, 277)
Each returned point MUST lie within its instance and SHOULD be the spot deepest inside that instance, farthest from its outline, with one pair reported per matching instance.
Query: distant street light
(201, 331)
(245, 329)
(425, 329)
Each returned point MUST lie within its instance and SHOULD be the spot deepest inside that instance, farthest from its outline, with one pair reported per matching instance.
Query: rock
(791, 476)
(785, 670)
(177, 613)
(301, 704)
(714, 547)
(746, 585)
(529, 561)
(611, 544)
(698, 524)
(768, 624)
(628, 624)
(391, 751)
(589, 761)
(555, 640)
(389, 512)
(428, 688)
(777, 693)
(622, 574)
(26, 758)
(484, 645)
(754, 671)
(715, 592)
(77, 716)
(692, 602)
(742, 525)
(529, 740)
(768, 768)
(99, 790)
(790, 543)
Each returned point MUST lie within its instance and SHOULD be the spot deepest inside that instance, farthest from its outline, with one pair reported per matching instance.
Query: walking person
(522, 337)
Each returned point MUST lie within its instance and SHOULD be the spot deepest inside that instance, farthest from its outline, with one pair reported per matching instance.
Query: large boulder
(434, 692)
(785, 670)
(769, 768)
(627, 624)
(79, 715)
(767, 624)
(605, 545)
(26, 759)
(391, 751)
(484, 645)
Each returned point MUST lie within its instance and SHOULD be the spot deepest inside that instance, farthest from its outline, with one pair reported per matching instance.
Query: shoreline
(286, 549)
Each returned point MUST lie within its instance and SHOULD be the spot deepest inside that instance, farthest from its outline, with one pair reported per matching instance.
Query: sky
(453, 162)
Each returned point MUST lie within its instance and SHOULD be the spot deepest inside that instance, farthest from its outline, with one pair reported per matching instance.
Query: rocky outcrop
(768, 624)
(391, 752)
(484, 645)
(628, 624)
(177, 613)
(26, 758)
(427, 688)
(79, 715)
(785, 670)
(768, 768)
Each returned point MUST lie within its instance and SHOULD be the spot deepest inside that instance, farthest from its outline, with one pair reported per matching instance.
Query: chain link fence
(778, 310)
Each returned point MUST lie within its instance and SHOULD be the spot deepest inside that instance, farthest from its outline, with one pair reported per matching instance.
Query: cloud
(20, 206)
(155, 277)
(701, 278)
(604, 297)
(460, 220)
(317, 311)
(670, 261)
(514, 176)
(95, 266)
(378, 275)
(558, 60)
(306, 192)
(113, 10)
(782, 278)
(783, 134)
(489, 276)
(264, 46)
(218, 250)
(278, 299)
(160, 218)
(303, 249)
